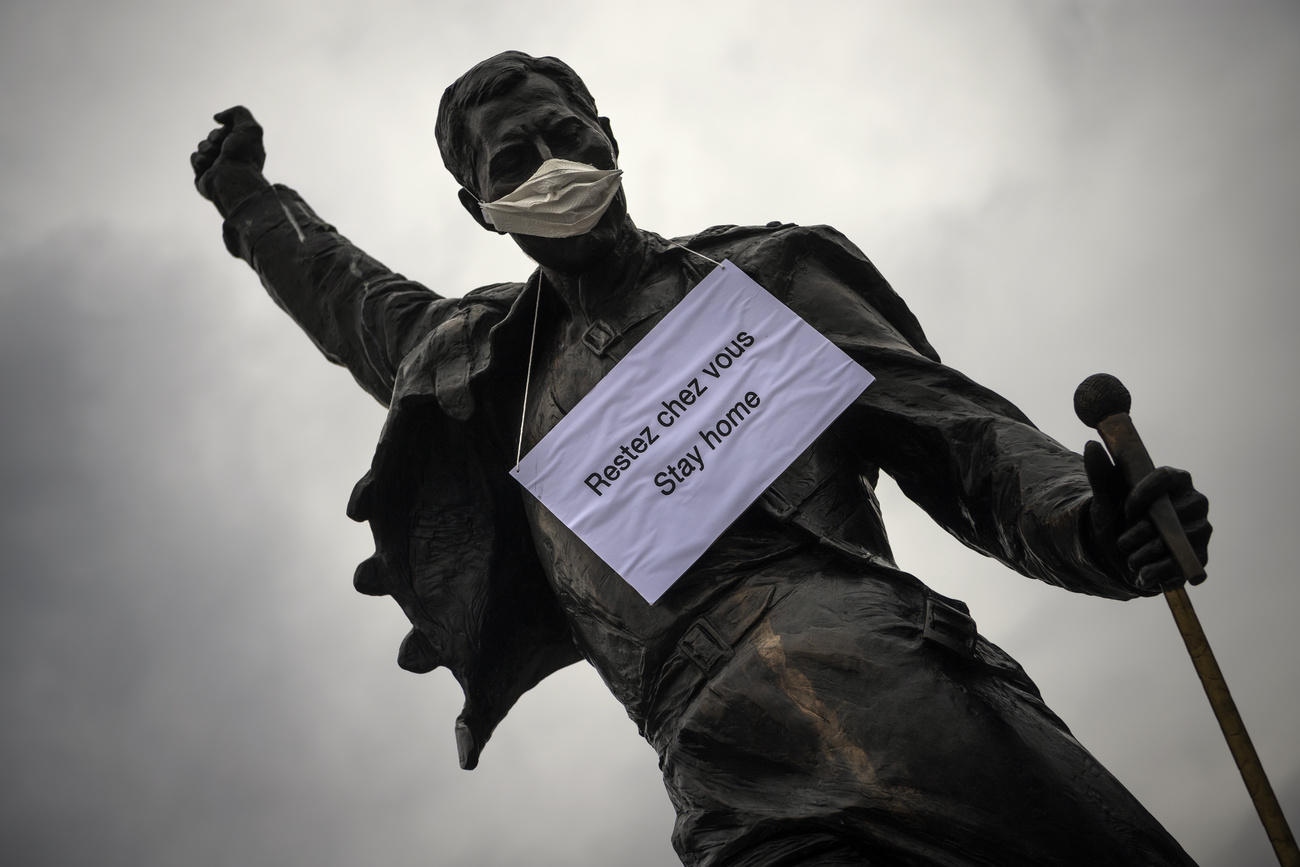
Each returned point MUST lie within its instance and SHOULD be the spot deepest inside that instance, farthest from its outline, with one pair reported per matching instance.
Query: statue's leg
(836, 723)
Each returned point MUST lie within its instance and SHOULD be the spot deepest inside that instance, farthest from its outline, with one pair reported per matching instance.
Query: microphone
(1102, 402)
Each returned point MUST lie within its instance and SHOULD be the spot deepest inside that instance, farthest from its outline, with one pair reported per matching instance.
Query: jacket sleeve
(965, 454)
(358, 313)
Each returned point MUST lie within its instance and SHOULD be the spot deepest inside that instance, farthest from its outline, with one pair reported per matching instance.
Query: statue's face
(518, 131)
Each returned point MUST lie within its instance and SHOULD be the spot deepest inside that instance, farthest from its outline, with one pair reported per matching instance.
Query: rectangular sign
(689, 428)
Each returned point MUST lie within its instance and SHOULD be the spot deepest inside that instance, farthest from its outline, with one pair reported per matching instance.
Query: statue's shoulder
(720, 238)
(774, 244)
(494, 296)
(817, 271)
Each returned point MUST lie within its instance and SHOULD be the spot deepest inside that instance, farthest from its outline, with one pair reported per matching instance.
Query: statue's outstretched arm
(970, 458)
(358, 312)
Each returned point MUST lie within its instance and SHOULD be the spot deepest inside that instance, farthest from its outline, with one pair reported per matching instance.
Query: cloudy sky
(1055, 187)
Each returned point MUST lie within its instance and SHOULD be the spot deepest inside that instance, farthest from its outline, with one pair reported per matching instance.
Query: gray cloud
(1056, 188)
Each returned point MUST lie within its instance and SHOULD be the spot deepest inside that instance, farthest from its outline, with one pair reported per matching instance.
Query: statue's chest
(576, 355)
(571, 370)
(611, 620)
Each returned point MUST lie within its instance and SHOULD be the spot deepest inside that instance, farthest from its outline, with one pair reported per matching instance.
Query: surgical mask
(562, 199)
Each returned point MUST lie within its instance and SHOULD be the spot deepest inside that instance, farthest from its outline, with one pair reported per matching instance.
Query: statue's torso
(624, 636)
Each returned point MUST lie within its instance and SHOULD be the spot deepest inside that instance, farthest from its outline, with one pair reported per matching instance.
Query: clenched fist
(1124, 533)
(228, 163)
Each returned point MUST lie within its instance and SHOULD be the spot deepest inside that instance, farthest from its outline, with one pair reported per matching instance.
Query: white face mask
(562, 199)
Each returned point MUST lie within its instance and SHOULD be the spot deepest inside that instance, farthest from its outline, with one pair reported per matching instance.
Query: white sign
(689, 428)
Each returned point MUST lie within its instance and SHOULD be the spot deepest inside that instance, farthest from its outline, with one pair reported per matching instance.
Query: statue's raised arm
(359, 313)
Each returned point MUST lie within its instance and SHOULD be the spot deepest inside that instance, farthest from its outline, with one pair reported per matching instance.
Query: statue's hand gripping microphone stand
(1102, 402)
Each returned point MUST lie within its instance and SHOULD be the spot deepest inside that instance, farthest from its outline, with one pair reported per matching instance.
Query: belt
(704, 648)
(708, 644)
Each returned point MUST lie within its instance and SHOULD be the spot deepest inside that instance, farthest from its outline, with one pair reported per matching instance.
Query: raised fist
(228, 163)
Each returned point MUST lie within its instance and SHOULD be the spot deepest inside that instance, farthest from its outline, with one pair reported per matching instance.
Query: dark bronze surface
(805, 706)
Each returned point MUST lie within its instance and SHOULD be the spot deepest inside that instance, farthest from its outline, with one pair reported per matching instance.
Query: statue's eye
(509, 163)
(567, 133)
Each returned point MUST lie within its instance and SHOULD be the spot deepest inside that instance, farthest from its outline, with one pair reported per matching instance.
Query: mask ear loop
(528, 377)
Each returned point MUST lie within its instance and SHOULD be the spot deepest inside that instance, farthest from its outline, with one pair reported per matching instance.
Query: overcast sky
(1056, 188)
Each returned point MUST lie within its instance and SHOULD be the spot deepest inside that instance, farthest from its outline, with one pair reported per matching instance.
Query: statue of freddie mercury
(810, 703)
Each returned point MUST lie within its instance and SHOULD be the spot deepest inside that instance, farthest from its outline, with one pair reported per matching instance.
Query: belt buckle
(702, 645)
(598, 337)
(950, 627)
(780, 505)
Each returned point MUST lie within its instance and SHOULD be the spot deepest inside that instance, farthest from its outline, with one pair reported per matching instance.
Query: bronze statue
(810, 703)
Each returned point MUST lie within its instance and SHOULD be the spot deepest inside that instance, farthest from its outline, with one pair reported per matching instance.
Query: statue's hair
(487, 80)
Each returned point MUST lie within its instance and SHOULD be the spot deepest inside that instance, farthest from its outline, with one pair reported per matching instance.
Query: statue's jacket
(453, 546)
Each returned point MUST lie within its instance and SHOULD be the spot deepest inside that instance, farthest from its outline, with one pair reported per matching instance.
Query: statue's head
(495, 79)
(503, 118)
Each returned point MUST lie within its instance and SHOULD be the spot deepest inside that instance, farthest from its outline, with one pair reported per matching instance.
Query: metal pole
(1234, 730)
(1103, 402)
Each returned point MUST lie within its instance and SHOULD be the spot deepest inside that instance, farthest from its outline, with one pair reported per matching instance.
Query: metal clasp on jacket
(599, 336)
(950, 627)
(780, 506)
(703, 645)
